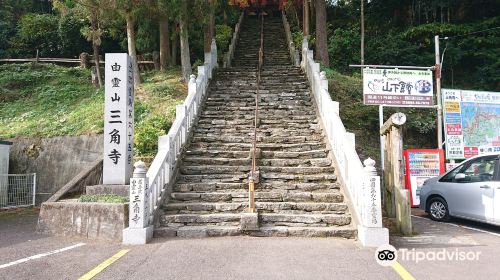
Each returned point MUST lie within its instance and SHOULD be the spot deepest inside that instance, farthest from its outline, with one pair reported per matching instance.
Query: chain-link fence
(17, 190)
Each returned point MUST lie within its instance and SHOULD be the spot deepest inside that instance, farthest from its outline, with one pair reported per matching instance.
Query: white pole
(34, 189)
(438, 94)
(381, 123)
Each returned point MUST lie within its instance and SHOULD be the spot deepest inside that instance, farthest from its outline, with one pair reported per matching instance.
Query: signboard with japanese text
(397, 87)
(139, 203)
(118, 119)
(471, 122)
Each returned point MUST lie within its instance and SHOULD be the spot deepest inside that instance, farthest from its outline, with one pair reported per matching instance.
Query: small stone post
(156, 60)
(324, 80)
(139, 230)
(297, 58)
(84, 60)
(213, 51)
(371, 232)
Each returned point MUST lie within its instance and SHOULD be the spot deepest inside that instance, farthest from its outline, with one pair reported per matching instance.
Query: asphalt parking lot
(25, 254)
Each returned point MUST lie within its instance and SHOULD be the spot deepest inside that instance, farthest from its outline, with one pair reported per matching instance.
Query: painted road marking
(405, 275)
(466, 227)
(98, 269)
(41, 255)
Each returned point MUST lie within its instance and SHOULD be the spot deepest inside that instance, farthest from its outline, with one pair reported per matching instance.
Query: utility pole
(438, 94)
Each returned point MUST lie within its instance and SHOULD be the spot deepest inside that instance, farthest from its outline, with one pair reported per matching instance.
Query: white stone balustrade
(162, 170)
(362, 184)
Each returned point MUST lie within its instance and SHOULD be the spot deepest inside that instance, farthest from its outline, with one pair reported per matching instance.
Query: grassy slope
(48, 100)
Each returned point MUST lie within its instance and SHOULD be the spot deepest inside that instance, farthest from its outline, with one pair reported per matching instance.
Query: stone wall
(104, 221)
(55, 160)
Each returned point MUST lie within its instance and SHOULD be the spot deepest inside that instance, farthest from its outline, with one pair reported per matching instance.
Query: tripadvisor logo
(387, 255)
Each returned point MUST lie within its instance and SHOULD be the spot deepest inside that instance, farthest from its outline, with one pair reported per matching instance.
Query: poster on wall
(471, 122)
(397, 87)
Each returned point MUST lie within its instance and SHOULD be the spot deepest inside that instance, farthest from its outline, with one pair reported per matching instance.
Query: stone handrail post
(139, 231)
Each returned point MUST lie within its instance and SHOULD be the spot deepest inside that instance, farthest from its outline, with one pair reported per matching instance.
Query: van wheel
(438, 210)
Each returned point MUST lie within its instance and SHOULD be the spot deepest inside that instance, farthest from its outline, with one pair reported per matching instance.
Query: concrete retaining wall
(56, 160)
(104, 221)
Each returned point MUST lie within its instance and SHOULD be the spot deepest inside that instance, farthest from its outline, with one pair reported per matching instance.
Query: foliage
(38, 31)
(47, 100)
(103, 198)
(223, 35)
(341, 50)
(71, 39)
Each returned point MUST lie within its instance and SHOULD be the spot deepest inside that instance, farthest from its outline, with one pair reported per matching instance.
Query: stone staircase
(298, 194)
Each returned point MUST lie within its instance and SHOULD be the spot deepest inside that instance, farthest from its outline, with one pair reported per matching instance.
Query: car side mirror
(460, 177)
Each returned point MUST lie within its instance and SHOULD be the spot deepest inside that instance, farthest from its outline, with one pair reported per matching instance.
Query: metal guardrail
(17, 190)
(251, 179)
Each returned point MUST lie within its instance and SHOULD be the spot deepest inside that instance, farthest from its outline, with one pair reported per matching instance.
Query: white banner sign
(118, 119)
(402, 88)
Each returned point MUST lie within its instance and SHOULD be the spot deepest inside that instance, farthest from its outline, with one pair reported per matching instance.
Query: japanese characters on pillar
(139, 203)
(118, 119)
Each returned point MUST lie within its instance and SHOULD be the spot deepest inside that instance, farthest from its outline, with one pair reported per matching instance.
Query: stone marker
(139, 230)
(118, 119)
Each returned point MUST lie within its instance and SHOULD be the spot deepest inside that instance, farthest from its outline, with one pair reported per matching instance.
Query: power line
(468, 34)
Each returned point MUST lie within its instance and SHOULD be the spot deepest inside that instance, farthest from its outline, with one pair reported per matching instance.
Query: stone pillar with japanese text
(118, 119)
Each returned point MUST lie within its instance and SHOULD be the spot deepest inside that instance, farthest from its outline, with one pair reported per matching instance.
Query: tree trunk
(164, 44)
(209, 28)
(321, 36)
(213, 4)
(131, 48)
(175, 45)
(95, 46)
(185, 55)
(306, 18)
(207, 38)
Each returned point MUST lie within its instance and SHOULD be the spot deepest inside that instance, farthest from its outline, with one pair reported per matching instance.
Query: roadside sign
(397, 87)
(471, 122)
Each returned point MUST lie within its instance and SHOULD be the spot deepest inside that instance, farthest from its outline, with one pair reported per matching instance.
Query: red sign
(470, 152)
(454, 129)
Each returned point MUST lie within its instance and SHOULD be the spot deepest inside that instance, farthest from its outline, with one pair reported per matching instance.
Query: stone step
(263, 186)
(223, 169)
(319, 162)
(347, 232)
(196, 231)
(245, 147)
(262, 207)
(198, 137)
(265, 219)
(261, 196)
(266, 132)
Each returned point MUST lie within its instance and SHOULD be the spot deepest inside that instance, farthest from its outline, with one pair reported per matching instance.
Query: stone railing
(294, 53)
(228, 57)
(161, 173)
(362, 183)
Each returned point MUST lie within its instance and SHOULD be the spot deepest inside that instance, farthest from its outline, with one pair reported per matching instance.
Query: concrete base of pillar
(122, 190)
(373, 237)
(249, 221)
(137, 236)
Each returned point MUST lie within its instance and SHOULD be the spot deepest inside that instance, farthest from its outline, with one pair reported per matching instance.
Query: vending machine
(421, 164)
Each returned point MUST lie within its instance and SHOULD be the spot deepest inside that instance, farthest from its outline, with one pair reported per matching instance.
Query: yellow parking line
(405, 275)
(98, 269)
